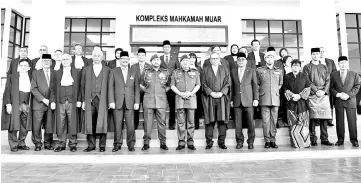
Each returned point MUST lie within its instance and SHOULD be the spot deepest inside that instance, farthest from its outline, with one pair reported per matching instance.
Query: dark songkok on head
(271, 48)
(240, 54)
(46, 56)
(315, 50)
(142, 50)
(342, 58)
(124, 54)
(166, 42)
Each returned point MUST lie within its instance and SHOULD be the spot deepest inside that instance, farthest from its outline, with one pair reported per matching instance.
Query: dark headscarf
(115, 52)
(282, 50)
(231, 49)
(194, 55)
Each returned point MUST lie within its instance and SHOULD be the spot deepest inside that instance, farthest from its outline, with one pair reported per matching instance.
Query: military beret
(153, 57)
(183, 57)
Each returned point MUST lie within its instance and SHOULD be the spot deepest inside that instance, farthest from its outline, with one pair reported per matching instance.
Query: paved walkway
(275, 171)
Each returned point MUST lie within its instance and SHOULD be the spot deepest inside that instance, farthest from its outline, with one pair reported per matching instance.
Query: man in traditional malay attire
(94, 88)
(42, 114)
(319, 99)
(65, 98)
(216, 83)
(16, 115)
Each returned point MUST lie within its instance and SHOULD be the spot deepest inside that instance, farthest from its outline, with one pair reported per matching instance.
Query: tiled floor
(307, 170)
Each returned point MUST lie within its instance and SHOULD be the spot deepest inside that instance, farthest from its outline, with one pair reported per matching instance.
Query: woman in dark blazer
(232, 58)
(199, 110)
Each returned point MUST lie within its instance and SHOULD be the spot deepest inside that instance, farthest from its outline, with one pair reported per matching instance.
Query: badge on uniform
(276, 73)
(161, 76)
(150, 74)
(131, 77)
(192, 73)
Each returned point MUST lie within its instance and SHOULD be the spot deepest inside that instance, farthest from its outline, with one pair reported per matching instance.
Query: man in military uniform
(270, 80)
(155, 84)
(185, 83)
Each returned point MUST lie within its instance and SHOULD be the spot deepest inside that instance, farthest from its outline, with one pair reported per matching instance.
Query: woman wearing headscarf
(282, 112)
(199, 111)
(115, 62)
(232, 58)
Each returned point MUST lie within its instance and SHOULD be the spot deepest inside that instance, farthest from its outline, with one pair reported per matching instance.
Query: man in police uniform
(185, 83)
(270, 80)
(155, 84)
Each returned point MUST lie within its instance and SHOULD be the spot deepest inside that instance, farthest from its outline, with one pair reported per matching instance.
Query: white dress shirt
(97, 69)
(125, 73)
(24, 82)
(215, 69)
(47, 76)
(79, 63)
(57, 65)
(67, 79)
(257, 57)
(38, 65)
(323, 61)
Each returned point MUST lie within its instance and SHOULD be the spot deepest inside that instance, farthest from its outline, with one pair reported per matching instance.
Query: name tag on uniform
(192, 73)
(131, 77)
(276, 73)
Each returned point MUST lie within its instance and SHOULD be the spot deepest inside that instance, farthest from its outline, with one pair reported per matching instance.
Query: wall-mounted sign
(177, 18)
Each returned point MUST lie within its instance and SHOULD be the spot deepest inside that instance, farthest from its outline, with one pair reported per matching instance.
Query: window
(26, 32)
(15, 38)
(90, 32)
(2, 25)
(276, 33)
(353, 29)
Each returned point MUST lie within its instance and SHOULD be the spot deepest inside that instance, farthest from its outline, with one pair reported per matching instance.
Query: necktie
(343, 77)
(240, 74)
(166, 59)
(125, 73)
(47, 77)
(141, 68)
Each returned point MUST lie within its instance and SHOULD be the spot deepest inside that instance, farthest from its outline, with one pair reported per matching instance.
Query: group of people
(66, 95)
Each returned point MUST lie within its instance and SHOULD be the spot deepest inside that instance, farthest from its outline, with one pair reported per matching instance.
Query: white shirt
(117, 63)
(57, 65)
(323, 61)
(38, 65)
(97, 69)
(79, 63)
(47, 72)
(24, 82)
(257, 57)
(67, 79)
(215, 69)
(165, 58)
(125, 73)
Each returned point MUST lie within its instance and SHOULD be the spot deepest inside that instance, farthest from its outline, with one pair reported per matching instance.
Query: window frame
(15, 28)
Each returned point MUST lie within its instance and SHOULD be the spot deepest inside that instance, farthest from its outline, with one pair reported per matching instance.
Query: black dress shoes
(49, 147)
(131, 149)
(36, 148)
(339, 143)
(101, 149)
(209, 146)
(116, 148)
(327, 143)
(145, 147)
(273, 145)
(24, 148)
(239, 146)
(15, 149)
(355, 144)
(329, 123)
(191, 147)
(222, 146)
(250, 146)
(164, 147)
(73, 149)
(58, 149)
(314, 144)
(179, 147)
(267, 145)
(88, 149)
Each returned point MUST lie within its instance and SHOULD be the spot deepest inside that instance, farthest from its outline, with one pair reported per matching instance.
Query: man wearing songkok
(244, 97)
(94, 88)
(185, 83)
(170, 62)
(216, 100)
(42, 115)
(16, 115)
(23, 54)
(155, 82)
(78, 60)
(297, 89)
(344, 86)
(123, 96)
(35, 64)
(65, 98)
(320, 109)
(270, 80)
(140, 68)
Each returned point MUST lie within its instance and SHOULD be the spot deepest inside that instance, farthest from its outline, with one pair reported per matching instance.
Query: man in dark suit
(42, 114)
(123, 89)
(140, 68)
(244, 98)
(255, 58)
(23, 54)
(115, 62)
(170, 62)
(65, 100)
(344, 87)
(35, 65)
(78, 60)
(223, 62)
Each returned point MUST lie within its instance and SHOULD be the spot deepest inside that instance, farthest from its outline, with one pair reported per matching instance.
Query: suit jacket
(330, 65)
(137, 68)
(111, 63)
(245, 91)
(40, 89)
(14, 66)
(172, 64)
(252, 60)
(87, 62)
(118, 91)
(224, 62)
(231, 62)
(350, 87)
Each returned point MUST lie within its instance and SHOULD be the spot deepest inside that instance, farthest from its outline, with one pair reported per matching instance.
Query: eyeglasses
(214, 58)
(42, 50)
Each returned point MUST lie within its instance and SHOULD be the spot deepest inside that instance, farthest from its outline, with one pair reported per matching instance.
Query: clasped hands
(216, 94)
(296, 97)
(342, 96)
(185, 95)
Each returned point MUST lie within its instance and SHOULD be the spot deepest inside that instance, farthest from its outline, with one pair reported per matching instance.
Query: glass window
(247, 26)
(247, 39)
(293, 52)
(300, 40)
(290, 27)
(66, 39)
(108, 39)
(290, 40)
(261, 26)
(108, 25)
(2, 16)
(66, 50)
(264, 39)
(78, 25)
(15, 37)
(353, 28)
(19, 22)
(299, 25)
(12, 35)
(10, 50)
(276, 40)
(18, 38)
(26, 43)
(27, 24)
(351, 20)
(353, 50)
(77, 38)
(352, 35)
(93, 25)
(92, 39)
(13, 18)
(275, 26)
(67, 25)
